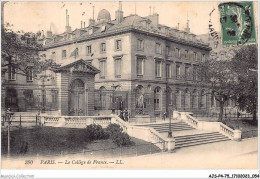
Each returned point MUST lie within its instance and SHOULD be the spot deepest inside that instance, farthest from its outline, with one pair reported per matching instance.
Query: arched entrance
(77, 100)
(11, 100)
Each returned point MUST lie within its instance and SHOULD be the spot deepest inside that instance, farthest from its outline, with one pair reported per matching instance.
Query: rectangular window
(139, 66)
(88, 49)
(118, 45)
(186, 54)
(102, 68)
(118, 68)
(195, 56)
(195, 73)
(158, 69)
(178, 53)
(140, 44)
(178, 71)
(29, 74)
(64, 54)
(156, 104)
(222, 56)
(167, 50)
(103, 47)
(203, 57)
(158, 48)
(168, 70)
(187, 72)
(12, 73)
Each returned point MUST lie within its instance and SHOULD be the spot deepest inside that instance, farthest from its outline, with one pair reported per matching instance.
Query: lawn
(49, 141)
(249, 128)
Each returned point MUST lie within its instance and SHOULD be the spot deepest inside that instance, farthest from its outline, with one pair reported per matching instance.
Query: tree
(244, 65)
(219, 78)
(22, 50)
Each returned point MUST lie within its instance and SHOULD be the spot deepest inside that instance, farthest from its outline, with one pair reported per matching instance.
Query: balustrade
(226, 130)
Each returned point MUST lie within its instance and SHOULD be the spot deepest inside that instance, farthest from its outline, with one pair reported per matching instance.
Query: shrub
(95, 132)
(121, 139)
(117, 135)
(113, 129)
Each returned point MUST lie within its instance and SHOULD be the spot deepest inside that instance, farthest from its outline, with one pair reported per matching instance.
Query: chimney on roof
(119, 13)
(154, 19)
(49, 33)
(67, 27)
(81, 24)
(84, 24)
(92, 21)
(187, 29)
(178, 27)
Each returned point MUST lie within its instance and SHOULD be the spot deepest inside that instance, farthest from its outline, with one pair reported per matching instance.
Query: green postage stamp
(237, 23)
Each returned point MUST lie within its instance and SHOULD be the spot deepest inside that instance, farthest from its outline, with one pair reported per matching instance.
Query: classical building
(145, 67)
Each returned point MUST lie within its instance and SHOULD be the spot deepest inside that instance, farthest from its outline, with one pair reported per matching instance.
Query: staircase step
(200, 139)
(200, 143)
(197, 135)
(164, 124)
(173, 130)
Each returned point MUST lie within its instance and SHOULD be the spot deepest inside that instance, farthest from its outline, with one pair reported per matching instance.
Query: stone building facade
(145, 67)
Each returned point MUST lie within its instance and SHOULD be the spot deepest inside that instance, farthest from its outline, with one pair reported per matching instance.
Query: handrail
(192, 120)
(227, 130)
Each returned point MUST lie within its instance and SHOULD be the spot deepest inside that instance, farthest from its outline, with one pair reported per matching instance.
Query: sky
(33, 16)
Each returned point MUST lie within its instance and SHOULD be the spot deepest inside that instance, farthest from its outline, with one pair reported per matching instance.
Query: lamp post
(113, 98)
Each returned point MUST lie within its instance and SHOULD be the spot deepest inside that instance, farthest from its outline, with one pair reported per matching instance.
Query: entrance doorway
(77, 98)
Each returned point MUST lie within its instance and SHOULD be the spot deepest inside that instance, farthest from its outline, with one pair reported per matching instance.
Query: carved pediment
(79, 66)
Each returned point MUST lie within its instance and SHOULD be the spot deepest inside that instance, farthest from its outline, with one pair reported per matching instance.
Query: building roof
(105, 27)
(104, 15)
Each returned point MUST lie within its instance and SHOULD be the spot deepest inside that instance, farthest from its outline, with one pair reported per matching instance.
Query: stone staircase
(199, 139)
(185, 135)
(164, 127)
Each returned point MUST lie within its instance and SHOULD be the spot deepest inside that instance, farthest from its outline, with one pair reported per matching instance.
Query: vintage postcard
(129, 85)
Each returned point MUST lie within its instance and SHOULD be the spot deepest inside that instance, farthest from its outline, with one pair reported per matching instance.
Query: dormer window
(29, 74)
(64, 54)
(88, 49)
(90, 31)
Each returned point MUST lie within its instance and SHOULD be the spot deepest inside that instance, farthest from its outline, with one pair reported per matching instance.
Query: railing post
(20, 120)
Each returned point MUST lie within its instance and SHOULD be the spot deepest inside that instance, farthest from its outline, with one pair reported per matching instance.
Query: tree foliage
(219, 79)
(244, 65)
(22, 50)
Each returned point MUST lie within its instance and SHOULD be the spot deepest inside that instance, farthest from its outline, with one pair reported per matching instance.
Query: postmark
(237, 23)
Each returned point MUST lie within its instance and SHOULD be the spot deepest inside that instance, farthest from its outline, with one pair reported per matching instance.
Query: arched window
(203, 99)
(178, 99)
(157, 98)
(194, 99)
(187, 99)
(102, 90)
(11, 100)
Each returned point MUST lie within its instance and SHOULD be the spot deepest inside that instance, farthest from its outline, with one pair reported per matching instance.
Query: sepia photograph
(129, 85)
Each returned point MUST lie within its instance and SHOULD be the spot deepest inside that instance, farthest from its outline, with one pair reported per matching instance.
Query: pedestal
(142, 118)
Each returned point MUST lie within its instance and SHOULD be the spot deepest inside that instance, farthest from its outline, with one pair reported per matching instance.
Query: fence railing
(20, 120)
(227, 116)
